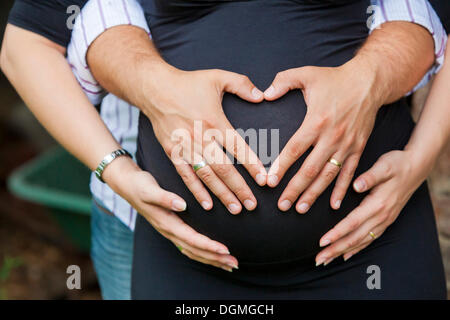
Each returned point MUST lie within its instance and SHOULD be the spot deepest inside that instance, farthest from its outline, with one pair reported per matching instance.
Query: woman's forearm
(433, 129)
(41, 75)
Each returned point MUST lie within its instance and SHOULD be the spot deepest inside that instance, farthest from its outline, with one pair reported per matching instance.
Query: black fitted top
(47, 18)
(259, 38)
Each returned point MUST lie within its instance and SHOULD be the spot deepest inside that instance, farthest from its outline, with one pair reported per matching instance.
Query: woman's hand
(392, 181)
(158, 207)
(185, 109)
(342, 105)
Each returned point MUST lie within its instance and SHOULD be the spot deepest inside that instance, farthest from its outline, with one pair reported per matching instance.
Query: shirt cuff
(96, 17)
(415, 11)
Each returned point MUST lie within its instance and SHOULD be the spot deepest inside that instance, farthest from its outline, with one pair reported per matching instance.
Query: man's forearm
(398, 54)
(419, 12)
(124, 72)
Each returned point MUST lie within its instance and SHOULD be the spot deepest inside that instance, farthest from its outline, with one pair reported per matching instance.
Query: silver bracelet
(107, 160)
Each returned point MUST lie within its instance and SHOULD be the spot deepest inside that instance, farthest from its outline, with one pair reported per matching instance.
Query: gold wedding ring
(199, 165)
(372, 235)
(180, 248)
(335, 162)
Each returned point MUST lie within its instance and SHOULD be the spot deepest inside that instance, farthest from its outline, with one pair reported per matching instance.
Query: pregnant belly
(250, 38)
(265, 235)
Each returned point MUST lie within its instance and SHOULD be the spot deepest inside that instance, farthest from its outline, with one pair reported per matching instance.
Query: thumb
(165, 199)
(288, 80)
(241, 86)
(149, 192)
(379, 173)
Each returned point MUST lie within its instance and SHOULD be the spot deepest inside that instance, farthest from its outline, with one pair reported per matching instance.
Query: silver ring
(199, 165)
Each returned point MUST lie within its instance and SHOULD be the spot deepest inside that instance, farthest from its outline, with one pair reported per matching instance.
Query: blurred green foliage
(9, 264)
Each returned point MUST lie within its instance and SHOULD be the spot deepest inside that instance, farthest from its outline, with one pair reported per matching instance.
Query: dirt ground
(34, 254)
(37, 266)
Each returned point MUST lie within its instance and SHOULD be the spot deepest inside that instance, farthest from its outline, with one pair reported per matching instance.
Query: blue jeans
(111, 253)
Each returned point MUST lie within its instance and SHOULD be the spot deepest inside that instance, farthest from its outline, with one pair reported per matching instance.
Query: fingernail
(359, 185)
(337, 204)
(285, 205)
(257, 94)
(233, 208)
(269, 92)
(249, 204)
(303, 207)
(261, 179)
(206, 205)
(272, 180)
(223, 251)
(328, 262)
(227, 269)
(233, 266)
(347, 257)
(320, 261)
(178, 205)
(324, 243)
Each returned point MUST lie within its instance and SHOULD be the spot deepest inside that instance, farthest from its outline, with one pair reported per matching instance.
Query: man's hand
(158, 207)
(125, 63)
(342, 105)
(340, 117)
(190, 124)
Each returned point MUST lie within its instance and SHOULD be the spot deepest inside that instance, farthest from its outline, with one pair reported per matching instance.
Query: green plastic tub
(60, 182)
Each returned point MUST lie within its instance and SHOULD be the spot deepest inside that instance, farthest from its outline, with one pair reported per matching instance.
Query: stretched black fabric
(276, 250)
(442, 8)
